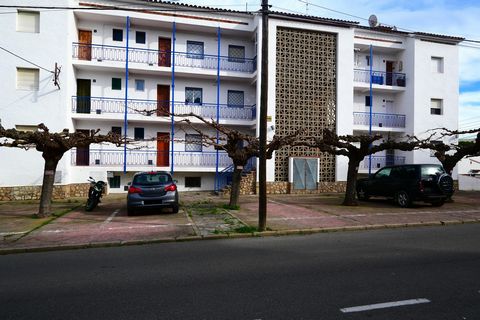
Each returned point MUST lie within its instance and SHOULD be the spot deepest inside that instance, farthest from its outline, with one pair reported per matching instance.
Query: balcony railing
(385, 120)
(148, 158)
(161, 58)
(380, 77)
(382, 161)
(100, 105)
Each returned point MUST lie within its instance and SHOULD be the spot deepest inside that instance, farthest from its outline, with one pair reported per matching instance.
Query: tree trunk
(350, 198)
(47, 187)
(235, 191)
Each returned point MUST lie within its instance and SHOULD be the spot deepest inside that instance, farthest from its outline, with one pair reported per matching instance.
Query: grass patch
(245, 229)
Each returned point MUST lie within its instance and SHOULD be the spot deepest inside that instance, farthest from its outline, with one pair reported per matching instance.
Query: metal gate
(305, 173)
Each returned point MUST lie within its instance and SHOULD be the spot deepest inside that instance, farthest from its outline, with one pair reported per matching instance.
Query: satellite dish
(373, 21)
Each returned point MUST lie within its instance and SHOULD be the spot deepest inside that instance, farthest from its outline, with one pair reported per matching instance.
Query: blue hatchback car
(153, 189)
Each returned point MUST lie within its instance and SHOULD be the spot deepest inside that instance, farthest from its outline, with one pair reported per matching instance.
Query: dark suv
(154, 190)
(406, 183)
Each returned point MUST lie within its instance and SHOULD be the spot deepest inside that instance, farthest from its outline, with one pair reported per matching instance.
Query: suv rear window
(149, 179)
(432, 171)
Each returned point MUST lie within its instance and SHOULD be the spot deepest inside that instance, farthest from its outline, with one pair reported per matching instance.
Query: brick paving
(202, 215)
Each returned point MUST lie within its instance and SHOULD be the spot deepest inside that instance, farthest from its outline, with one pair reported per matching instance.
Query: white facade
(427, 68)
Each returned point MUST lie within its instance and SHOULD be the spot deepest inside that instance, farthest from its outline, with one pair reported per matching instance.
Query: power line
(26, 60)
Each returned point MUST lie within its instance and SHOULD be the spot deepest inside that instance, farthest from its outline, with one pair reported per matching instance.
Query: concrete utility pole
(262, 170)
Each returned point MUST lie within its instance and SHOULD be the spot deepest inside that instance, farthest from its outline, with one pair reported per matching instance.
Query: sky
(447, 17)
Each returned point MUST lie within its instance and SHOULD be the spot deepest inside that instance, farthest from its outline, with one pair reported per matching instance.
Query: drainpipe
(172, 134)
(125, 120)
(217, 181)
(371, 107)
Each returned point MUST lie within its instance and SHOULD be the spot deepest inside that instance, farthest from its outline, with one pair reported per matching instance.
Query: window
(116, 84)
(139, 85)
(367, 101)
(28, 21)
(193, 95)
(368, 60)
(28, 79)
(117, 34)
(193, 142)
(193, 182)
(236, 53)
(26, 128)
(437, 65)
(436, 106)
(140, 37)
(235, 98)
(117, 130)
(383, 173)
(139, 133)
(194, 49)
(114, 182)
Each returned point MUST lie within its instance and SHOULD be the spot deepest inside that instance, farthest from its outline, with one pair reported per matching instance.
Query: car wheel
(438, 203)
(403, 199)
(175, 208)
(130, 212)
(362, 194)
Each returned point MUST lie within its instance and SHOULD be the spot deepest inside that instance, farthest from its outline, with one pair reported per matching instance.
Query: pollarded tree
(239, 146)
(355, 148)
(52, 146)
(450, 155)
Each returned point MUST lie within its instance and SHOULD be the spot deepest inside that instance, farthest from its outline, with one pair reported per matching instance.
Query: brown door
(83, 153)
(163, 100)
(389, 80)
(83, 95)
(85, 45)
(164, 52)
(163, 143)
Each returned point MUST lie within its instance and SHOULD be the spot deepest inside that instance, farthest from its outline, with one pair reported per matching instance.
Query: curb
(277, 233)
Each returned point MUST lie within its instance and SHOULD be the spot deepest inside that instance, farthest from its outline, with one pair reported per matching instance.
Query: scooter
(97, 188)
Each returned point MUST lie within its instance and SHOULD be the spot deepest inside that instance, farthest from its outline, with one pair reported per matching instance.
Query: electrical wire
(26, 60)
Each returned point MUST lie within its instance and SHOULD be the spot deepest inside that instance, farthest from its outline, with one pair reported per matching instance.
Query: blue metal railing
(148, 158)
(382, 161)
(225, 176)
(161, 58)
(385, 120)
(380, 77)
(100, 105)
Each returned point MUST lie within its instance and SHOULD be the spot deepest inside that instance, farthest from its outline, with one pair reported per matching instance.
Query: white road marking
(384, 305)
(111, 217)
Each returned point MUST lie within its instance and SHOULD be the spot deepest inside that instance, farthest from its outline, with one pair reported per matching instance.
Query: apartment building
(126, 70)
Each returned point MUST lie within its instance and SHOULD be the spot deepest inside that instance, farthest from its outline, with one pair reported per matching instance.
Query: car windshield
(432, 171)
(149, 179)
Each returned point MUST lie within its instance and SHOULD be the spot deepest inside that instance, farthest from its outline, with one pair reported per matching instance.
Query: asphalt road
(421, 273)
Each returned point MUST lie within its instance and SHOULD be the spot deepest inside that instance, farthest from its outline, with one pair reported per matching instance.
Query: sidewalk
(202, 216)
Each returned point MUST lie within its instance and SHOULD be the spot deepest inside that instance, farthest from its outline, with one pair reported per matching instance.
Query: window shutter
(27, 79)
(28, 21)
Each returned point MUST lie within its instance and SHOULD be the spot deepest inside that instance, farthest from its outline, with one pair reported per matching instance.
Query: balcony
(149, 57)
(148, 158)
(385, 120)
(381, 161)
(100, 105)
(380, 78)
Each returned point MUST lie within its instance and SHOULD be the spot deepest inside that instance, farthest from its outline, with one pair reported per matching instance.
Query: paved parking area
(202, 214)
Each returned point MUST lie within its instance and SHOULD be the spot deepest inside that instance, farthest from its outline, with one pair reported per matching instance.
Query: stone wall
(33, 192)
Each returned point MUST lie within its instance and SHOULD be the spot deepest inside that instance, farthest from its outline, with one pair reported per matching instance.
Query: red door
(85, 45)
(164, 52)
(163, 143)
(83, 153)
(163, 100)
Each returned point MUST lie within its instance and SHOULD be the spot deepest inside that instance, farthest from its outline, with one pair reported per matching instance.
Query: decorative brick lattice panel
(305, 94)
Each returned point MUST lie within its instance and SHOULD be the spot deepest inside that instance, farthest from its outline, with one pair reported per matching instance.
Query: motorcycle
(97, 188)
